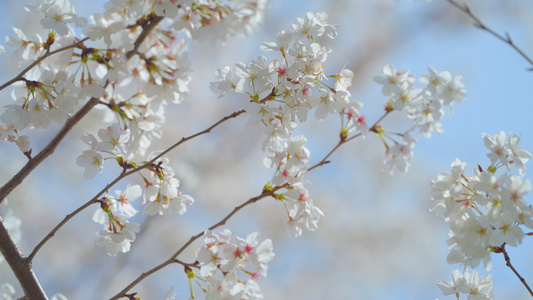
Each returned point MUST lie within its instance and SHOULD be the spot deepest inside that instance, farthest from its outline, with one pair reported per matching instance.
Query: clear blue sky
(499, 98)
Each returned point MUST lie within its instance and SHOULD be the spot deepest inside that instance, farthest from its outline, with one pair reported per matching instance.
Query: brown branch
(183, 140)
(49, 149)
(20, 266)
(39, 60)
(123, 175)
(508, 263)
(193, 238)
(65, 220)
(341, 142)
(193, 265)
(264, 194)
(478, 23)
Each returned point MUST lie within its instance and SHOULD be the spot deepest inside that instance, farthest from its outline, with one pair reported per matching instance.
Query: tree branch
(193, 238)
(264, 194)
(341, 142)
(20, 266)
(49, 149)
(123, 175)
(508, 263)
(477, 22)
(39, 60)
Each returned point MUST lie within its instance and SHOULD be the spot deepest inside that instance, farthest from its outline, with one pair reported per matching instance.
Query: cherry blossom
(92, 161)
(485, 211)
(117, 235)
(235, 257)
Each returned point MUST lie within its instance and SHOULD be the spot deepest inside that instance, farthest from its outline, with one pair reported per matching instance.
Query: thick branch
(20, 266)
(49, 149)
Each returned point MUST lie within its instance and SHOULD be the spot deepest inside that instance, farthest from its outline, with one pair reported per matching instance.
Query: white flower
(451, 287)
(224, 81)
(123, 199)
(283, 40)
(477, 288)
(325, 104)
(116, 241)
(392, 80)
(165, 198)
(23, 142)
(233, 257)
(102, 27)
(437, 83)
(344, 80)
(398, 157)
(254, 78)
(114, 139)
(519, 156)
(92, 161)
(497, 147)
(56, 16)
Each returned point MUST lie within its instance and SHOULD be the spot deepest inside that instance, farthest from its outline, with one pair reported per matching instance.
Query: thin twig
(21, 266)
(183, 140)
(508, 263)
(38, 61)
(193, 238)
(125, 174)
(264, 194)
(65, 220)
(478, 23)
(49, 149)
(341, 142)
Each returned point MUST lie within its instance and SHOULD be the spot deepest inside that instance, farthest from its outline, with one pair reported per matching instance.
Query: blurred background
(377, 240)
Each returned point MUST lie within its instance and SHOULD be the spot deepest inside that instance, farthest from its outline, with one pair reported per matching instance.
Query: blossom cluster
(468, 283)
(161, 196)
(424, 106)
(291, 160)
(235, 257)
(485, 210)
(281, 93)
(132, 82)
(130, 65)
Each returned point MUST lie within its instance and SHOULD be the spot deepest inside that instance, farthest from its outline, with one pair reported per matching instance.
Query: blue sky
(499, 98)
